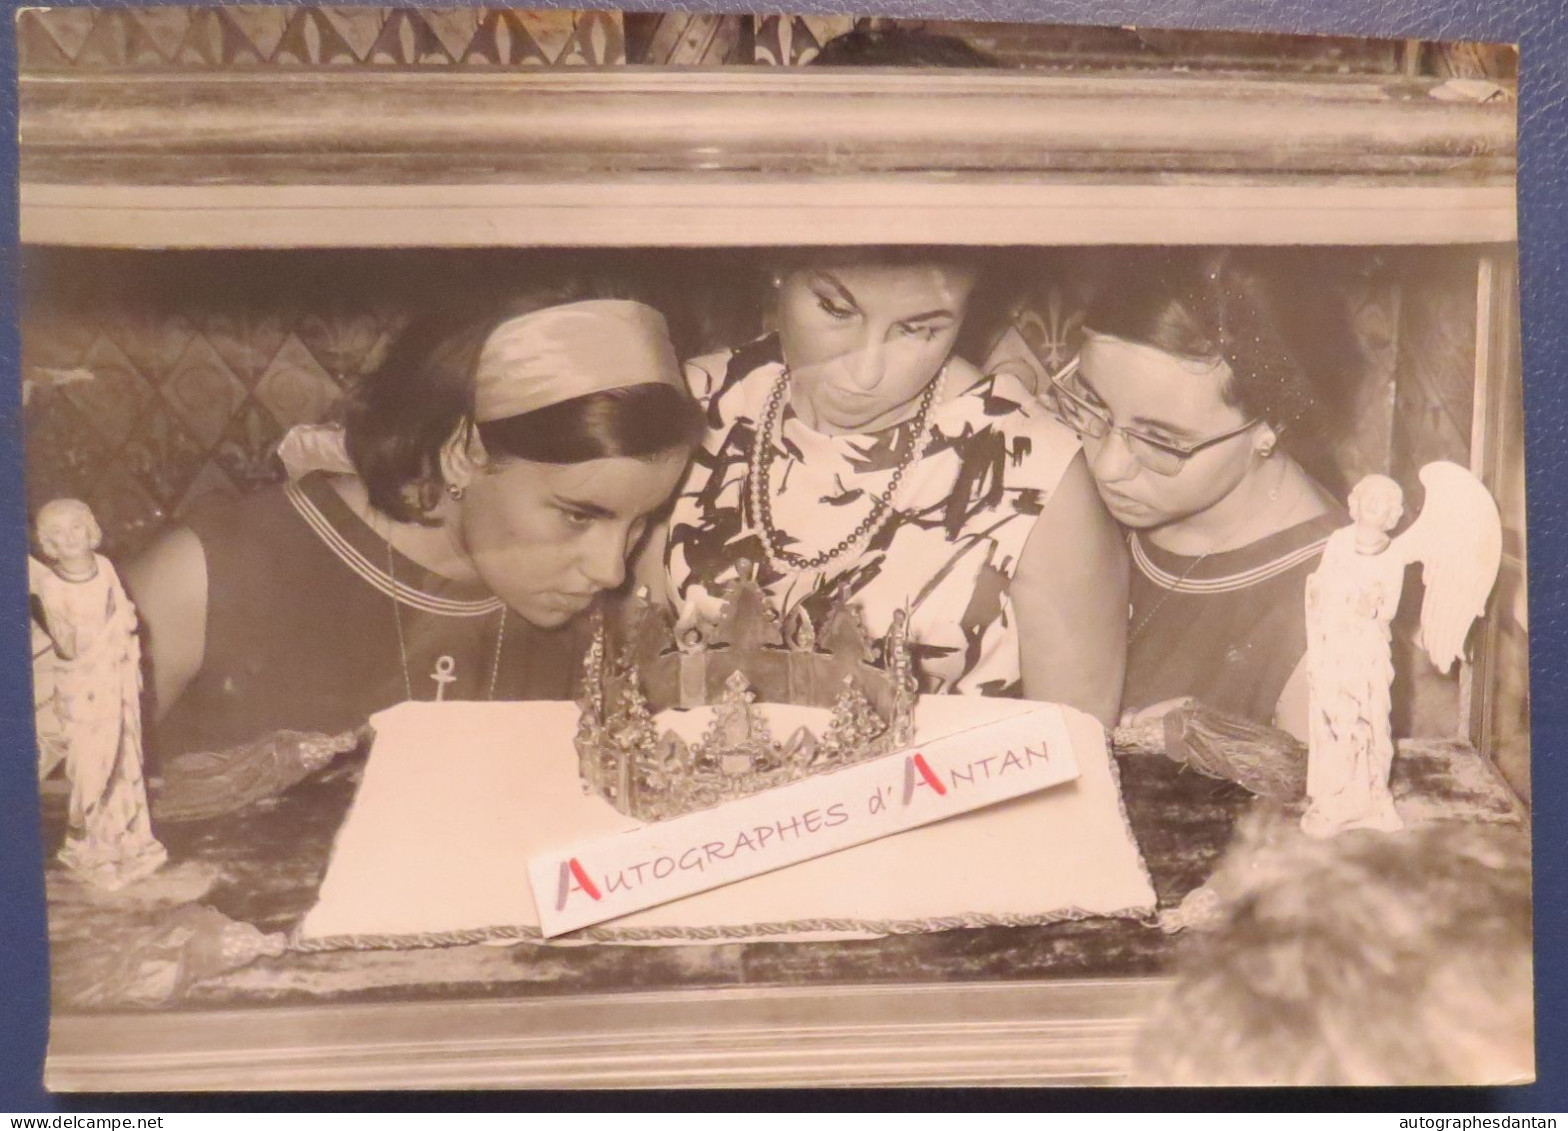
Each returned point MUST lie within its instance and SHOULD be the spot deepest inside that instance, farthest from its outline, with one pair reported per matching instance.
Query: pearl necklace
(761, 464)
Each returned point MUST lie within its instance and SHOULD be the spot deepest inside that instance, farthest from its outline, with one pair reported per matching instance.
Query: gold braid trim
(435, 939)
(1149, 917)
(1132, 837)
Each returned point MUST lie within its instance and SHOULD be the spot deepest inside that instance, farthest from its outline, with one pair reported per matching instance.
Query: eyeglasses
(1160, 456)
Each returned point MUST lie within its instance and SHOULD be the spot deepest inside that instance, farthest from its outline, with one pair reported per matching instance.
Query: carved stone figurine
(1350, 602)
(95, 667)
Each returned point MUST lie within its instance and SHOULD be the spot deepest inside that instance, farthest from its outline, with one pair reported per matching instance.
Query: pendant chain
(402, 647)
(1219, 547)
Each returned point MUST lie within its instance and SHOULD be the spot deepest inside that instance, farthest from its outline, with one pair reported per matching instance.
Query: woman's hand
(1291, 712)
(698, 608)
(647, 564)
(1070, 596)
(168, 585)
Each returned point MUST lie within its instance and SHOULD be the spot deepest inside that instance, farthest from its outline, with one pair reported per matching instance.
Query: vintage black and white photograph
(588, 549)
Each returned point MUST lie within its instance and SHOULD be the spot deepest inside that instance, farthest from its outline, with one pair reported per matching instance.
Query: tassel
(200, 785)
(159, 962)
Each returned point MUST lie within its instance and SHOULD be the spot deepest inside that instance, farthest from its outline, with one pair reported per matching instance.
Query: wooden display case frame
(636, 157)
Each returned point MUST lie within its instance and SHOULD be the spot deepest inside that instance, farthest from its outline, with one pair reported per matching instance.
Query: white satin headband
(531, 361)
(563, 352)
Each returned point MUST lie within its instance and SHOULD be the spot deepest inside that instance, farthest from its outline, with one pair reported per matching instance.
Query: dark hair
(403, 414)
(828, 256)
(890, 45)
(1227, 305)
(955, 258)
(1366, 958)
(977, 333)
(895, 46)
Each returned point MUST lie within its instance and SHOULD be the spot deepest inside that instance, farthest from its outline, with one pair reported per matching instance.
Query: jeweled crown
(744, 659)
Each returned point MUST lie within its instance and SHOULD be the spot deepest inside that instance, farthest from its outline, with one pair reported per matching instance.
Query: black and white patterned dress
(960, 519)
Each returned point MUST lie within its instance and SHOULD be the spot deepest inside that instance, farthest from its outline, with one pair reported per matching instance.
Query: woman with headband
(1187, 391)
(498, 472)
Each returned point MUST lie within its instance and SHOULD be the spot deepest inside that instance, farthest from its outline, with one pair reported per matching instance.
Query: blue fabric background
(1539, 26)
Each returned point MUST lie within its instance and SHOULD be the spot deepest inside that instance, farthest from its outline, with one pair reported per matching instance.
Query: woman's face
(863, 342)
(1172, 399)
(547, 538)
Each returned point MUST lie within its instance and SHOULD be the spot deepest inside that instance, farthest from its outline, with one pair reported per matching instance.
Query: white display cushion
(458, 797)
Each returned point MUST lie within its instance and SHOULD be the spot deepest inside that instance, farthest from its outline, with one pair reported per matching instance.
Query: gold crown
(744, 658)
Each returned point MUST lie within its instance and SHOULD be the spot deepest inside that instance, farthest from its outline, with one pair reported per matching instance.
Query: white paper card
(593, 881)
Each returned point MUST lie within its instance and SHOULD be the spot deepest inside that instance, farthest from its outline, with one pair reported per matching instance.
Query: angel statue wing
(1458, 539)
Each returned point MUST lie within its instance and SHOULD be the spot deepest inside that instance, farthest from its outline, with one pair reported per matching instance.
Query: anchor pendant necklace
(445, 670)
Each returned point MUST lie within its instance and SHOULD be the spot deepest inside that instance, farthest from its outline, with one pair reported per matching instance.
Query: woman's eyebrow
(930, 316)
(1174, 430)
(1074, 371)
(846, 296)
(583, 506)
(843, 292)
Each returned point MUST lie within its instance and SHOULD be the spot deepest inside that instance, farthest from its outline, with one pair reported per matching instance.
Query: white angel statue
(96, 700)
(1351, 599)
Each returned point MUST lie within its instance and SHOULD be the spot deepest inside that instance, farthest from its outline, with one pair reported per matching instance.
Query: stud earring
(455, 492)
(1266, 449)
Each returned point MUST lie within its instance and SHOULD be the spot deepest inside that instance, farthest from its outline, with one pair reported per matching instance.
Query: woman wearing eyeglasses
(1184, 396)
